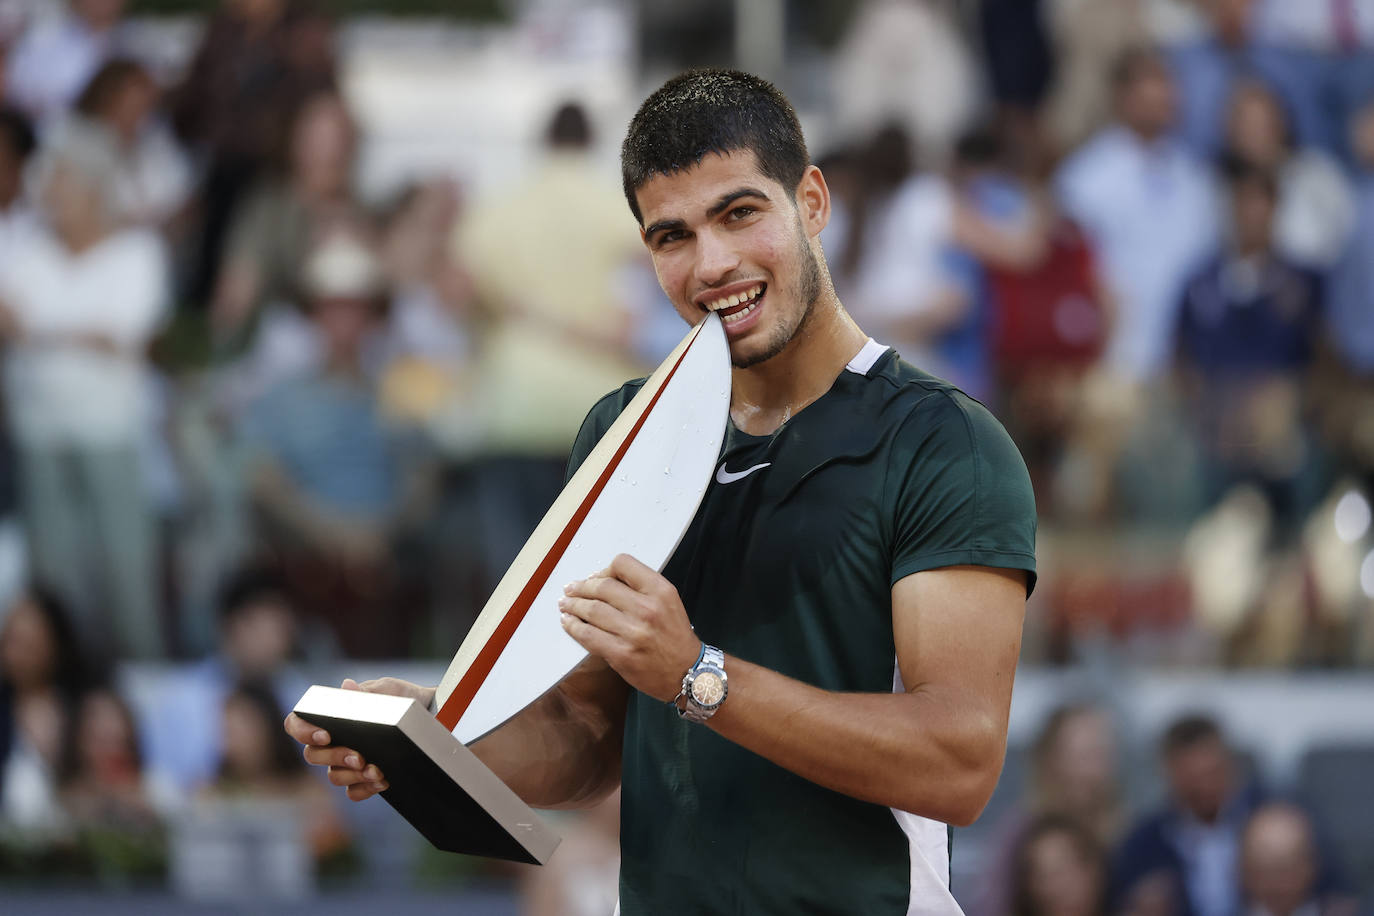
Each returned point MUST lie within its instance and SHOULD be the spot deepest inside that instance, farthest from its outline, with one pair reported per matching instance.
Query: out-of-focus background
(301, 305)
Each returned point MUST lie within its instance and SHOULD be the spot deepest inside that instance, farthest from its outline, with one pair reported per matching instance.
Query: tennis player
(818, 684)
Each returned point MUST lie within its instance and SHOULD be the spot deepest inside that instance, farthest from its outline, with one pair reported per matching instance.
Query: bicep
(959, 629)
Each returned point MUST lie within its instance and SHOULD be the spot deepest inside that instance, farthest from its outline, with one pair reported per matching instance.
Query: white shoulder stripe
(866, 357)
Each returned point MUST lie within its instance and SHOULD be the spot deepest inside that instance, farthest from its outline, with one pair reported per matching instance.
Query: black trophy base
(436, 783)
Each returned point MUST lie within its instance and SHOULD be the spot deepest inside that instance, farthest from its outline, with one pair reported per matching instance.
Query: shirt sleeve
(959, 491)
(599, 419)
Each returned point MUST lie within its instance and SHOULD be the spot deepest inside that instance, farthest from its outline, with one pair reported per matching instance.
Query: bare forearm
(934, 752)
(564, 750)
(550, 758)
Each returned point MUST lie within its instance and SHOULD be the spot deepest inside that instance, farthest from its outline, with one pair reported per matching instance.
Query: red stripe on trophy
(471, 681)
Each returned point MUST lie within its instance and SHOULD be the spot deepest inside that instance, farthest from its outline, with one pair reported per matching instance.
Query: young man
(861, 560)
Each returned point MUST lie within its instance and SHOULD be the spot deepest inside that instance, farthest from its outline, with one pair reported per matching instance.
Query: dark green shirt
(791, 566)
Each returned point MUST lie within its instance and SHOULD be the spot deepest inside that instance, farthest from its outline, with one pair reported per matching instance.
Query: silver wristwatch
(704, 686)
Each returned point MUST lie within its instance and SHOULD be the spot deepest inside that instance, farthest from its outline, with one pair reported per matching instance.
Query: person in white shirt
(1316, 208)
(78, 307)
(1148, 207)
(117, 108)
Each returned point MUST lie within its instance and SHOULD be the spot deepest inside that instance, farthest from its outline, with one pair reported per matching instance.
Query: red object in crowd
(1051, 315)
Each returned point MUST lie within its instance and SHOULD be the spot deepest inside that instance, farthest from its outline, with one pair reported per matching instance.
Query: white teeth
(730, 319)
(729, 301)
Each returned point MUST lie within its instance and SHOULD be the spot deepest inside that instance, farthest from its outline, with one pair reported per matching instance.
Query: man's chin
(746, 354)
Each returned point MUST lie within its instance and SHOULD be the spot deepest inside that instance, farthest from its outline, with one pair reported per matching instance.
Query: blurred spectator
(427, 339)
(1351, 298)
(551, 336)
(1147, 206)
(43, 671)
(257, 64)
(117, 108)
(1193, 841)
(892, 246)
(1280, 866)
(1020, 65)
(109, 801)
(903, 62)
(1060, 869)
(1209, 65)
(17, 219)
(1319, 55)
(1089, 37)
(1074, 778)
(286, 216)
(53, 60)
(1315, 213)
(331, 479)
(258, 766)
(1033, 331)
(257, 637)
(1246, 336)
(77, 310)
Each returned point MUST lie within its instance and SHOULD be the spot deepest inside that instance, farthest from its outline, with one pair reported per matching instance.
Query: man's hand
(632, 617)
(346, 766)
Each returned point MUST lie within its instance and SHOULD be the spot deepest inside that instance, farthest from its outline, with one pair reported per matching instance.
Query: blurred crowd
(1220, 840)
(254, 420)
(1147, 248)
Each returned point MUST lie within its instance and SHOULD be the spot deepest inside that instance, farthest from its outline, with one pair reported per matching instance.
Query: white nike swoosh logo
(724, 476)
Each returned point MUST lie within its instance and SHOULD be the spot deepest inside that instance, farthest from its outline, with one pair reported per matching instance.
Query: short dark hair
(569, 128)
(248, 586)
(1189, 731)
(712, 111)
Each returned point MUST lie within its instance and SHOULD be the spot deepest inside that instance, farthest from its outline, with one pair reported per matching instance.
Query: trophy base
(436, 783)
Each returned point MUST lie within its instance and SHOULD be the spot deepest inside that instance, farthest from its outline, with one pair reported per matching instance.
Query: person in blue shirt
(1246, 335)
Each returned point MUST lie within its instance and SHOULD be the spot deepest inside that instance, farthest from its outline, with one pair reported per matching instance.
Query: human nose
(715, 260)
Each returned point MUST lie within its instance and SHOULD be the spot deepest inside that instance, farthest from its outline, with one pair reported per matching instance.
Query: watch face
(708, 689)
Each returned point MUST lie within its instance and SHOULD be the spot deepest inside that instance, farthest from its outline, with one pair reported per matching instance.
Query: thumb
(350, 684)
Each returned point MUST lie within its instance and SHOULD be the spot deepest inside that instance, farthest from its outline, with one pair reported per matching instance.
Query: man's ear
(813, 201)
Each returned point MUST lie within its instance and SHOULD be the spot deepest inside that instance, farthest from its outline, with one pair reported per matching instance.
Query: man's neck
(766, 395)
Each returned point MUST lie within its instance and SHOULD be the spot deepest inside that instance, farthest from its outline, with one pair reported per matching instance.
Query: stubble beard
(808, 291)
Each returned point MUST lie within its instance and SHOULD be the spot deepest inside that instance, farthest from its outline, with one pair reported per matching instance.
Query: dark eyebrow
(721, 205)
(663, 225)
